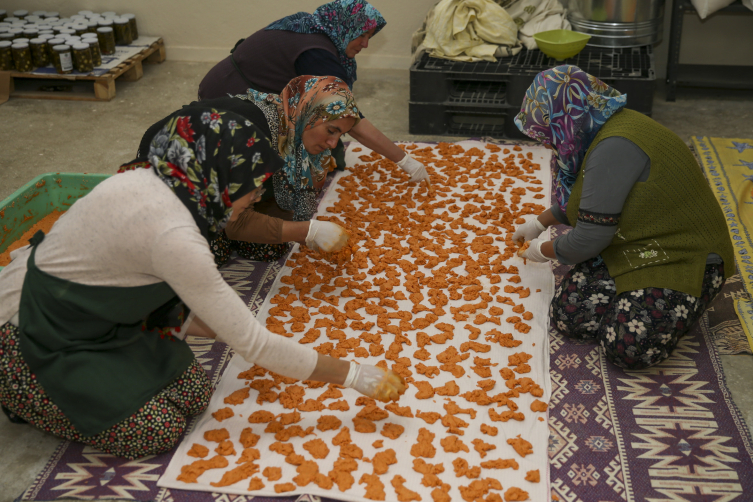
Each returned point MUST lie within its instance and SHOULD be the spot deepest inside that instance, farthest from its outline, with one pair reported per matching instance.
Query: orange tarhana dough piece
(403, 493)
(537, 405)
(255, 484)
(225, 448)
(317, 448)
(515, 494)
(284, 487)
(223, 414)
(424, 448)
(392, 431)
(374, 487)
(45, 225)
(261, 417)
(533, 476)
(248, 438)
(521, 446)
(238, 396)
(243, 471)
(272, 473)
(190, 473)
(217, 435)
(198, 451)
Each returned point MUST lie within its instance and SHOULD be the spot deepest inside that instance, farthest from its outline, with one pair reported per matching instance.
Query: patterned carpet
(670, 433)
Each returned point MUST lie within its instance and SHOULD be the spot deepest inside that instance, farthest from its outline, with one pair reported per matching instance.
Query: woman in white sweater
(82, 309)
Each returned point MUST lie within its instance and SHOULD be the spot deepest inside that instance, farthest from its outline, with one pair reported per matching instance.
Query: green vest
(669, 223)
(87, 348)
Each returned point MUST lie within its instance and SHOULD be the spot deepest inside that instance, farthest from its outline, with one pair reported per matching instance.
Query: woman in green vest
(649, 246)
(93, 315)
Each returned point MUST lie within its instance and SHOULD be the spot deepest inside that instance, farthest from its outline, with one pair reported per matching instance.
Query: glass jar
(6, 37)
(66, 31)
(31, 33)
(105, 23)
(17, 32)
(91, 26)
(62, 59)
(106, 40)
(21, 13)
(39, 55)
(132, 22)
(82, 58)
(6, 56)
(21, 56)
(122, 31)
(40, 13)
(96, 53)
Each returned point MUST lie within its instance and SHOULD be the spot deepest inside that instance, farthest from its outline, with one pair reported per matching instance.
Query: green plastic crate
(40, 197)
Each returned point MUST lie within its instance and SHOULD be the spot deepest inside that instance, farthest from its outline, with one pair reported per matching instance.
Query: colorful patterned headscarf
(565, 107)
(210, 159)
(342, 21)
(306, 102)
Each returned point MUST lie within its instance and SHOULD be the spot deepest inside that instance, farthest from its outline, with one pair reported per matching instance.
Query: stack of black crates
(481, 99)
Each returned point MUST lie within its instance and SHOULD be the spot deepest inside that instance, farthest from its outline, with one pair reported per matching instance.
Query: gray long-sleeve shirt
(612, 169)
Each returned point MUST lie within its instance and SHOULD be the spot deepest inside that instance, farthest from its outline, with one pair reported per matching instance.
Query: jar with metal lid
(21, 13)
(39, 55)
(82, 58)
(51, 13)
(31, 33)
(81, 29)
(66, 31)
(62, 59)
(91, 26)
(106, 40)
(17, 32)
(122, 29)
(21, 56)
(94, 48)
(6, 56)
(12, 19)
(21, 40)
(52, 42)
(105, 23)
(132, 22)
(6, 37)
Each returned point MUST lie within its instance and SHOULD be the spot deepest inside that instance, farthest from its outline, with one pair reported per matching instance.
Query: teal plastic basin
(38, 198)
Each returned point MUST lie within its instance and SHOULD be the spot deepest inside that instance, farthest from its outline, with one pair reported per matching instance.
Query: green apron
(87, 347)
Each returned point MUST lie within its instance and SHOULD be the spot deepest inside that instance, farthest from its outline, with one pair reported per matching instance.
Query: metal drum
(618, 23)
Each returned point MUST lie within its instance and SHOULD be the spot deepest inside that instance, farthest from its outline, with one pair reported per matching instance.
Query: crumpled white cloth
(468, 30)
(535, 16)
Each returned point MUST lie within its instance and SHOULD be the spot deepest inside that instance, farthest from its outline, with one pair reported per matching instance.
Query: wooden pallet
(15, 84)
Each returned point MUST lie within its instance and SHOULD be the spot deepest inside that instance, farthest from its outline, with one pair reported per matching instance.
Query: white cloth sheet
(536, 342)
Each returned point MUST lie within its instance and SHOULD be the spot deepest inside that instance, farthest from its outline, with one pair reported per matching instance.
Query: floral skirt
(154, 428)
(637, 329)
(223, 247)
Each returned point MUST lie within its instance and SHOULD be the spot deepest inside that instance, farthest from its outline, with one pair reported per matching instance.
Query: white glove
(414, 168)
(374, 382)
(528, 230)
(326, 236)
(534, 253)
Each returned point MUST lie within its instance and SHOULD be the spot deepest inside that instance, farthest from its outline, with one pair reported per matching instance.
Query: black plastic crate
(504, 82)
(463, 120)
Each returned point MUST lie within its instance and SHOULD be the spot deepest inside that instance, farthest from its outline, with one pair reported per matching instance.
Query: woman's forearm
(295, 231)
(331, 370)
(548, 219)
(369, 136)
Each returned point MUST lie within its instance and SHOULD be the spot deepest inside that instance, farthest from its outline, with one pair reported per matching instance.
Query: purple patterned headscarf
(342, 21)
(565, 107)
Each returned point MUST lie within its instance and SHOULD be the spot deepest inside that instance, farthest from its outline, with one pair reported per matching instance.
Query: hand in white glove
(414, 168)
(529, 230)
(374, 382)
(534, 253)
(326, 236)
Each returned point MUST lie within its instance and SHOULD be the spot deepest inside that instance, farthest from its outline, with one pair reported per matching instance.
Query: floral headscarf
(565, 107)
(306, 102)
(210, 159)
(342, 21)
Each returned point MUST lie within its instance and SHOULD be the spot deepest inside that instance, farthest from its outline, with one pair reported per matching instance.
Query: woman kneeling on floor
(303, 123)
(649, 246)
(87, 352)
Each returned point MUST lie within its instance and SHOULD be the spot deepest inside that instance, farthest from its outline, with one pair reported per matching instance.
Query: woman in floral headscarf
(323, 43)
(303, 123)
(649, 247)
(93, 315)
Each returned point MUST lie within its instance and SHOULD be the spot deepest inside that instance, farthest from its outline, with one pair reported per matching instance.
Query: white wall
(199, 30)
